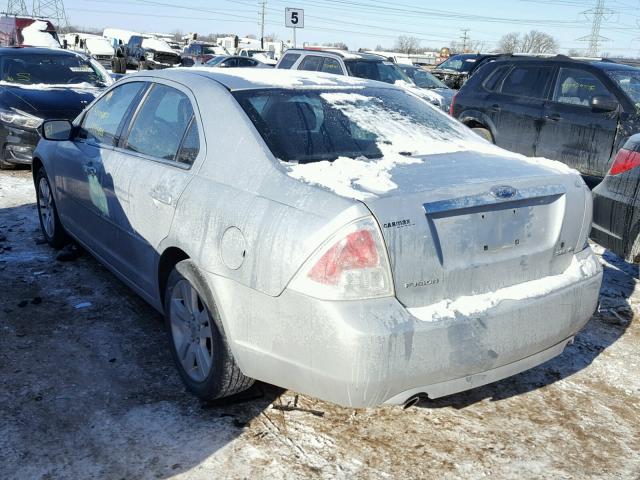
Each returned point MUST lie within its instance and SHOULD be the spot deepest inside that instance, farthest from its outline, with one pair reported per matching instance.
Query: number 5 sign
(294, 18)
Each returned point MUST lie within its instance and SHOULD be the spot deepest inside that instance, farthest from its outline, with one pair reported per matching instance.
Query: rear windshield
(458, 64)
(423, 79)
(629, 81)
(51, 70)
(379, 70)
(313, 125)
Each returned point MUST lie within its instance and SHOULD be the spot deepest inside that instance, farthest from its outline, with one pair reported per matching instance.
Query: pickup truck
(145, 53)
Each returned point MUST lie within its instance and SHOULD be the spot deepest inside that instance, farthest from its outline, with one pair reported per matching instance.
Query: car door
(84, 206)
(515, 106)
(153, 164)
(574, 132)
(331, 65)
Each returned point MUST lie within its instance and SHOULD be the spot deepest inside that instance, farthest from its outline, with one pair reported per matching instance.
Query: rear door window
(246, 62)
(331, 65)
(577, 87)
(311, 63)
(288, 60)
(159, 127)
(493, 82)
(527, 81)
(103, 120)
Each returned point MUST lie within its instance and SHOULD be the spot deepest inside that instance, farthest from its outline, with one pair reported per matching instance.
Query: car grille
(166, 58)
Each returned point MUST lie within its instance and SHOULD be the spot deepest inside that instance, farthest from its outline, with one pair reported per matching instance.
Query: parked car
(376, 251)
(27, 32)
(197, 53)
(38, 84)
(146, 53)
(424, 79)
(456, 70)
(94, 46)
(578, 112)
(616, 204)
(235, 61)
(263, 56)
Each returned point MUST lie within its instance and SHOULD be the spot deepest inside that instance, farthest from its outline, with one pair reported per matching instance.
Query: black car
(38, 84)
(455, 71)
(616, 204)
(575, 111)
(235, 61)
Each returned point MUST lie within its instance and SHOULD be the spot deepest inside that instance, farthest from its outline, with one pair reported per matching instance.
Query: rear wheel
(142, 65)
(50, 225)
(198, 344)
(484, 133)
(123, 64)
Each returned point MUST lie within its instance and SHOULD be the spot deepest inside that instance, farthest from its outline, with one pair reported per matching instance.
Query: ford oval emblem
(504, 192)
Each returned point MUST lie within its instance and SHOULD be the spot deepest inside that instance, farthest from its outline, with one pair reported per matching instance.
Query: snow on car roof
(250, 78)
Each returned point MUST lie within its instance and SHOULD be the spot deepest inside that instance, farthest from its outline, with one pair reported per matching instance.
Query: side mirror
(56, 130)
(603, 103)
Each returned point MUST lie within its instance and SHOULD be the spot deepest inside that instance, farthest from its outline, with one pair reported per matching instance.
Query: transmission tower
(464, 37)
(17, 7)
(52, 10)
(598, 14)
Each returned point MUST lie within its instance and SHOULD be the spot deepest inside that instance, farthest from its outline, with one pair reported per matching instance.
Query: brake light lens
(351, 265)
(625, 160)
(453, 103)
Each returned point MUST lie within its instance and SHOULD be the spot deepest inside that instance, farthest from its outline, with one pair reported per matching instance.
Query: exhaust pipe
(412, 401)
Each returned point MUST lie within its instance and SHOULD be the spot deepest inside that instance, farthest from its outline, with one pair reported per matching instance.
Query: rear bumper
(367, 353)
(613, 217)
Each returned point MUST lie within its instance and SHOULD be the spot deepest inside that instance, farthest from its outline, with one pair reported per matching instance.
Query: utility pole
(464, 39)
(17, 7)
(597, 14)
(263, 4)
(52, 10)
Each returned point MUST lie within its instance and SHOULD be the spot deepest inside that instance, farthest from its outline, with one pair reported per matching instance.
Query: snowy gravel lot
(88, 390)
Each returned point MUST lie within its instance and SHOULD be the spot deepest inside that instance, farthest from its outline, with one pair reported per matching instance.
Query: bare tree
(509, 43)
(338, 45)
(532, 42)
(538, 42)
(406, 44)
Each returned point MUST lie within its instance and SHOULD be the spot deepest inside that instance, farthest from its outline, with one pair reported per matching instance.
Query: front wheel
(50, 224)
(198, 345)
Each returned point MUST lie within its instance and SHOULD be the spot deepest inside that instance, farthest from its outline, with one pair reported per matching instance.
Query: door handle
(495, 107)
(553, 117)
(90, 170)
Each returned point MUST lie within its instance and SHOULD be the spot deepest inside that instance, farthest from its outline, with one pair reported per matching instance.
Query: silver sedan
(336, 236)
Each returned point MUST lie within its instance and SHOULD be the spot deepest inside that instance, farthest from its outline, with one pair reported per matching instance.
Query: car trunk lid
(466, 224)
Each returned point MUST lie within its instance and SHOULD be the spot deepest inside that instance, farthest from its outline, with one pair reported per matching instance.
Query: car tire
(50, 225)
(122, 65)
(484, 133)
(196, 337)
(142, 65)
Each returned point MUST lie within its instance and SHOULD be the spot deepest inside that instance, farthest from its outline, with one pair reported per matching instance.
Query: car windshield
(629, 81)
(457, 64)
(306, 126)
(382, 71)
(216, 60)
(51, 70)
(423, 79)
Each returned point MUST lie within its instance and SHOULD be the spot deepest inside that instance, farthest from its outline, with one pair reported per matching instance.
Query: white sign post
(294, 18)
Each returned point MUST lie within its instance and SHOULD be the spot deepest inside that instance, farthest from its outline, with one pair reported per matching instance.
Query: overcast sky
(366, 23)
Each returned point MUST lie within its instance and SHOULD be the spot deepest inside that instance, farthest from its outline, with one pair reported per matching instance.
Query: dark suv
(578, 112)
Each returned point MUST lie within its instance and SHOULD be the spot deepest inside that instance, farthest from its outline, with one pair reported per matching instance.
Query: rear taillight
(625, 160)
(453, 103)
(352, 264)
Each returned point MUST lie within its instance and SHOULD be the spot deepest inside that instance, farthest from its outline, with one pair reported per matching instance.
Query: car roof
(236, 79)
(345, 55)
(602, 64)
(38, 51)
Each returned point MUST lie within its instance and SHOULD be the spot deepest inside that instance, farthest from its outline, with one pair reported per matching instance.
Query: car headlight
(20, 119)
(149, 55)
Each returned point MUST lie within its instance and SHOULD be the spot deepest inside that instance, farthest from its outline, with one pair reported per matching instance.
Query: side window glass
(331, 65)
(190, 145)
(494, 79)
(577, 87)
(288, 60)
(527, 81)
(161, 123)
(311, 63)
(101, 122)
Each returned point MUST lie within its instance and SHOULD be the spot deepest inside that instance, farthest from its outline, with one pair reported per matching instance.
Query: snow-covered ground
(88, 390)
